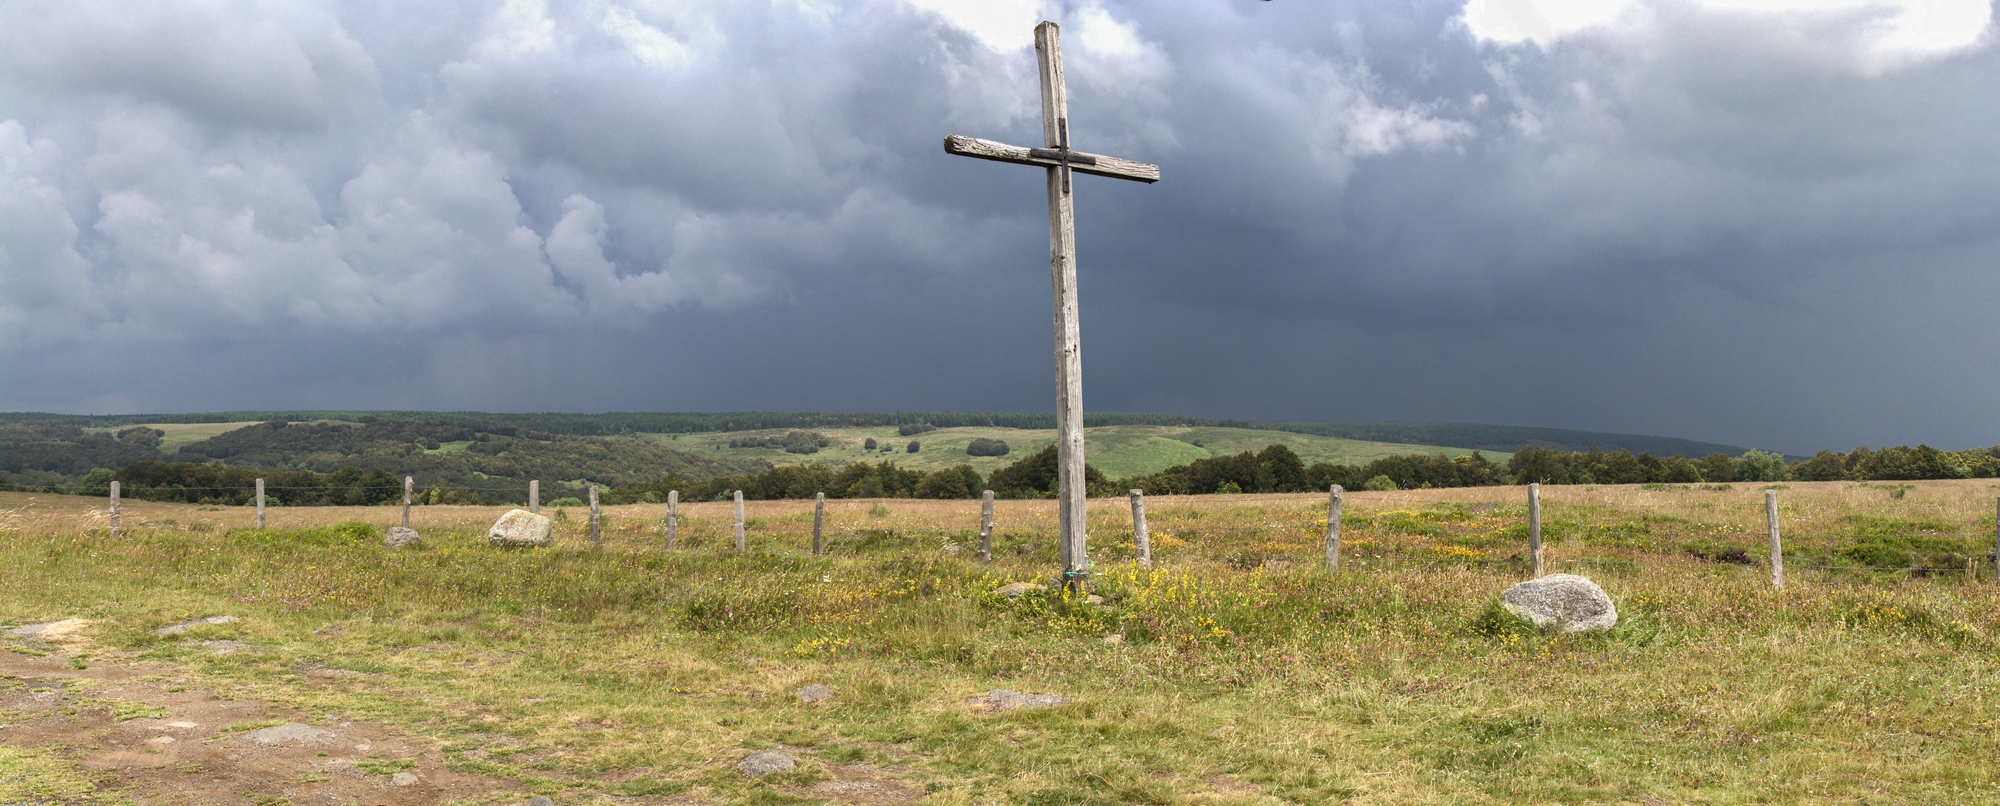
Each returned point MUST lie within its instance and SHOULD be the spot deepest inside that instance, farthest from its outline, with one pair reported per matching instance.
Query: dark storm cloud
(1763, 228)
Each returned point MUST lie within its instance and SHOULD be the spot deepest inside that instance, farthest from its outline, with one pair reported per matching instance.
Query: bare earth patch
(156, 746)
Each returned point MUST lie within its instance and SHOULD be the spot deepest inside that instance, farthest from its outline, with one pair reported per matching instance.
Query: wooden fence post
(596, 522)
(819, 516)
(1777, 548)
(260, 505)
(986, 526)
(408, 484)
(739, 522)
(535, 497)
(1996, 540)
(114, 509)
(1535, 527)
(1333, 527)
(673, 516)
(1140, 540)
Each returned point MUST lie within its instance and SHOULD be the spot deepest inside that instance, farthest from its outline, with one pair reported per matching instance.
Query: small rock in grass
(1014, 590)
(539, 800)
(161, 740)
(51, 629)
(177, 629)
(400, 537)
(1566, 601)
(1001, 699)
(403, 779)
(519, 527)
(290, 733)
(765, 762)
(815, 693)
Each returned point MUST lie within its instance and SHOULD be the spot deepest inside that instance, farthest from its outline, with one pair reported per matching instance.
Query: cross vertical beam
(1059, 161)
(1069, 336)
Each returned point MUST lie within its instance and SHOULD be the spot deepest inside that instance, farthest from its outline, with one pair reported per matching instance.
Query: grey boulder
(400, 537)
(290, 733)
(1567, 602)
(519, 527)
(1001, 699)
(765, 762)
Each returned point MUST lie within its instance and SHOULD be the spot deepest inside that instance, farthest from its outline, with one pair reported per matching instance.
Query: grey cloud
(1697, 223)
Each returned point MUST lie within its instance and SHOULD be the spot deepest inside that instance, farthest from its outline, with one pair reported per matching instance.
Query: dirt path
(156, 743)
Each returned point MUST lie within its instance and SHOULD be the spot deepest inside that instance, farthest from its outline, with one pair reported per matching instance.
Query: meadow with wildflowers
(1235, 669)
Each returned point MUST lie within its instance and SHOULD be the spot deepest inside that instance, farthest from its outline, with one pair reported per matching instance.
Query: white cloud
(1003, 25)
(1875, 35)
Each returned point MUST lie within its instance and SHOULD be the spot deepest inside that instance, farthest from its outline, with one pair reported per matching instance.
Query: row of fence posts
(1141, 540)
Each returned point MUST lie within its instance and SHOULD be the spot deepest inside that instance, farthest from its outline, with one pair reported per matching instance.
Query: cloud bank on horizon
(1769, 222)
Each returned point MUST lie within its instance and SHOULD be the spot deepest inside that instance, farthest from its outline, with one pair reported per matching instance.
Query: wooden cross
(1061, 160)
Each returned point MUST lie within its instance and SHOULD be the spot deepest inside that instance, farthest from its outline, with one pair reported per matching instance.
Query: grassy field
(178, 434)
(1119, 451)
(1236, 670)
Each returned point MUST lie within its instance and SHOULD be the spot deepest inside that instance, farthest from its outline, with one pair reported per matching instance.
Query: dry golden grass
(1243, 672)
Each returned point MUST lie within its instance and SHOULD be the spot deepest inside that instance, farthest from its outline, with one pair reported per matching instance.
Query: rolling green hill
(1117, 450)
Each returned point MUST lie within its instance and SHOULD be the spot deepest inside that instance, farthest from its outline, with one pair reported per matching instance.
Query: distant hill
(1470, 436)
(482, 450)
(1504, 437)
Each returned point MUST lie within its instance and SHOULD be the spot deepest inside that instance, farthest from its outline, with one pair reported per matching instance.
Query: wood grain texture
(819, 517)
(114, 509)
(673, 516)
(408, 485)
(1777, 545)
(739, 522)
(1535, 528)
(986, 527)
(260, 505)
(535, 497)
(1071, 514)
(1113, 167)
(1333, 527)
(596, 519)
(1141, 541)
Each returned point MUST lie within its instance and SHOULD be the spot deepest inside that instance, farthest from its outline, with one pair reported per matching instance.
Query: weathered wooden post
(114, 509)
(986, 526)
(739, 522)
(260, 505)
(1996, 540)
(1140, 540)
(596, 520)
(408, 485)
(819, 517)
(1333, 528)
(1535, 527)
(535, 497)
(673, 516)
(1777, 548)
(1060, 160)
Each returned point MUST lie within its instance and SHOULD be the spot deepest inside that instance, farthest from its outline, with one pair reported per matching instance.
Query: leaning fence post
(986, 526)
(260, 505)
(408, 484)
(596, 522)
(1535, 526)
(739, 522)
(673, 517)
(1139, 536)
(114, 509)
(1333, 528)
(1777, 548)
(535, 497)
(819, 516)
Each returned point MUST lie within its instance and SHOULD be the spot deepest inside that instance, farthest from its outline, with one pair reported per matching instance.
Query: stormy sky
(1773, 223)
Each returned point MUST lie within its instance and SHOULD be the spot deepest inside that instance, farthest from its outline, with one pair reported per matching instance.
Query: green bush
(913, 446)
(986, 447)
(1379, 484)
(1762, 466)
(571, 501)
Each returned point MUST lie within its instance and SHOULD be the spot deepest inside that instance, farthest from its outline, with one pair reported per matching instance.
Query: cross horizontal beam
(1080, 162)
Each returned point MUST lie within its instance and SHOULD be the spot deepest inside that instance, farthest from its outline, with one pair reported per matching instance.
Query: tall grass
(1236, 669)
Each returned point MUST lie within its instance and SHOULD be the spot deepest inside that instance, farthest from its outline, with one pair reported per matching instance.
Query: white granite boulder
(1562, 601)
(519, 527)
